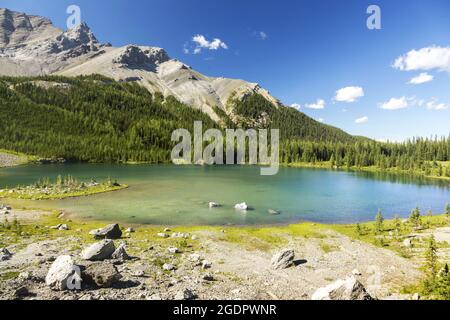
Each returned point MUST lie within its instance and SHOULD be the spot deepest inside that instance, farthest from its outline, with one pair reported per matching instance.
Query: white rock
(213, 205)
(356, 272)
(173, 250)
(241, 206)
(206, 264)
(99, 251)
(347, 289)
(168, 267)
(61, 270)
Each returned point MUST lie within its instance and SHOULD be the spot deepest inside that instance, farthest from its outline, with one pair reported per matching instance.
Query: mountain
(65, 94)
(31, 45)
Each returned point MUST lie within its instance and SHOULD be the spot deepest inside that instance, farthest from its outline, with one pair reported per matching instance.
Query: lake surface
(175, 195)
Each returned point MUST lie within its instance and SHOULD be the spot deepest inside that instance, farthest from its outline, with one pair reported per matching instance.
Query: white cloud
(200, 43)
(296, 106)
(321, 120)
(422, 78)
(263, 35)
(395, 104)
(319, 104)
(435, 105)
(429, 58)
(349, 94)
(362, 120)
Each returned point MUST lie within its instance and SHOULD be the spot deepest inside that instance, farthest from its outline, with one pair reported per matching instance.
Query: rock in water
(283, 259)
(101, 274)
(111, 231)
(241, 206)
(99, 251)
(347, 289)
(121, 253)
(213, 205)
(273, 212)
(60, 273)
(5, 254)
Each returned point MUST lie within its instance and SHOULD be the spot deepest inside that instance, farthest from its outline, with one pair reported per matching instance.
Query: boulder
(101, 274)
(168, 267)
(62, 271)
(99, 251)
(407, 243)
(347, 289)
(283, 259)
(173, 250)
(162, 235)
(180, 235)
(185, 294)
(241, 206)
(121, 253)
(63, 227)
(111, 231)
(206, 264)
(5, 254)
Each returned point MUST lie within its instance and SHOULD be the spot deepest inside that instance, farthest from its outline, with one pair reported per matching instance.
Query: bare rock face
(347, 289)
(283, 259)
(99, 251)
(60, 273)
(134, 57)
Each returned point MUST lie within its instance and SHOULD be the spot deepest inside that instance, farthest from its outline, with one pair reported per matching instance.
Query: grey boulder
(101, 274)
(99, 251)
(61, 273)
(283, 259)
(343, 289)
(111, 231)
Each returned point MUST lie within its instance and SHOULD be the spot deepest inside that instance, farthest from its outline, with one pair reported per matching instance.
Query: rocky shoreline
(148, 262)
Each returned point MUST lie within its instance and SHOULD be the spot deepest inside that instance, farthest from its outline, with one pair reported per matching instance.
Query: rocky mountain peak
(145, 58)
(82, 34)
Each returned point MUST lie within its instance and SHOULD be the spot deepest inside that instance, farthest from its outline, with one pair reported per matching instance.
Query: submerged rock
(347, 289)
(61, 273)
(283, 259)
(273, 212)
(99, 251)
(111, 231)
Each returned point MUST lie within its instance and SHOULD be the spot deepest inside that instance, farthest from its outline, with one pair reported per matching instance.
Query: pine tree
(431, 258)
(379, 222)
(414, 218)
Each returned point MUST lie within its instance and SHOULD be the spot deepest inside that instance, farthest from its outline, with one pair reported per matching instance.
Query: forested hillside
(96, 119)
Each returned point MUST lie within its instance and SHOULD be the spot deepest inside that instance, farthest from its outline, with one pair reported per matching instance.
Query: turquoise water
(175, 195)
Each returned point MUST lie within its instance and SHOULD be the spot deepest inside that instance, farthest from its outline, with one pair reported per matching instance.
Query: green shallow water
(179, 195)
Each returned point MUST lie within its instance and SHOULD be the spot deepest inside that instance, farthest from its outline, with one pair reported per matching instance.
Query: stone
(121, 253)
(347, 289)
(101, 274)
(356, 272)
(168, 267)
(241, 206)
(130, 230)
(194, 257)
(167, 230)
(415, 296)
(194, 237)
(185, 294)
(283, 259)
(63, 227)
(99, 251)
(5, 254)
(173, 250)
(273, 212)
(407, 243)
(21, 292)
(213, 205)
(111, 231)
(208, 277)
(180, 235)
(206, 264)
(61, 272)
(162, 235)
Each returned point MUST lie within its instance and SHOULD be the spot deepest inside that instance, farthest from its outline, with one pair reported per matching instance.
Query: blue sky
(309, 50)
